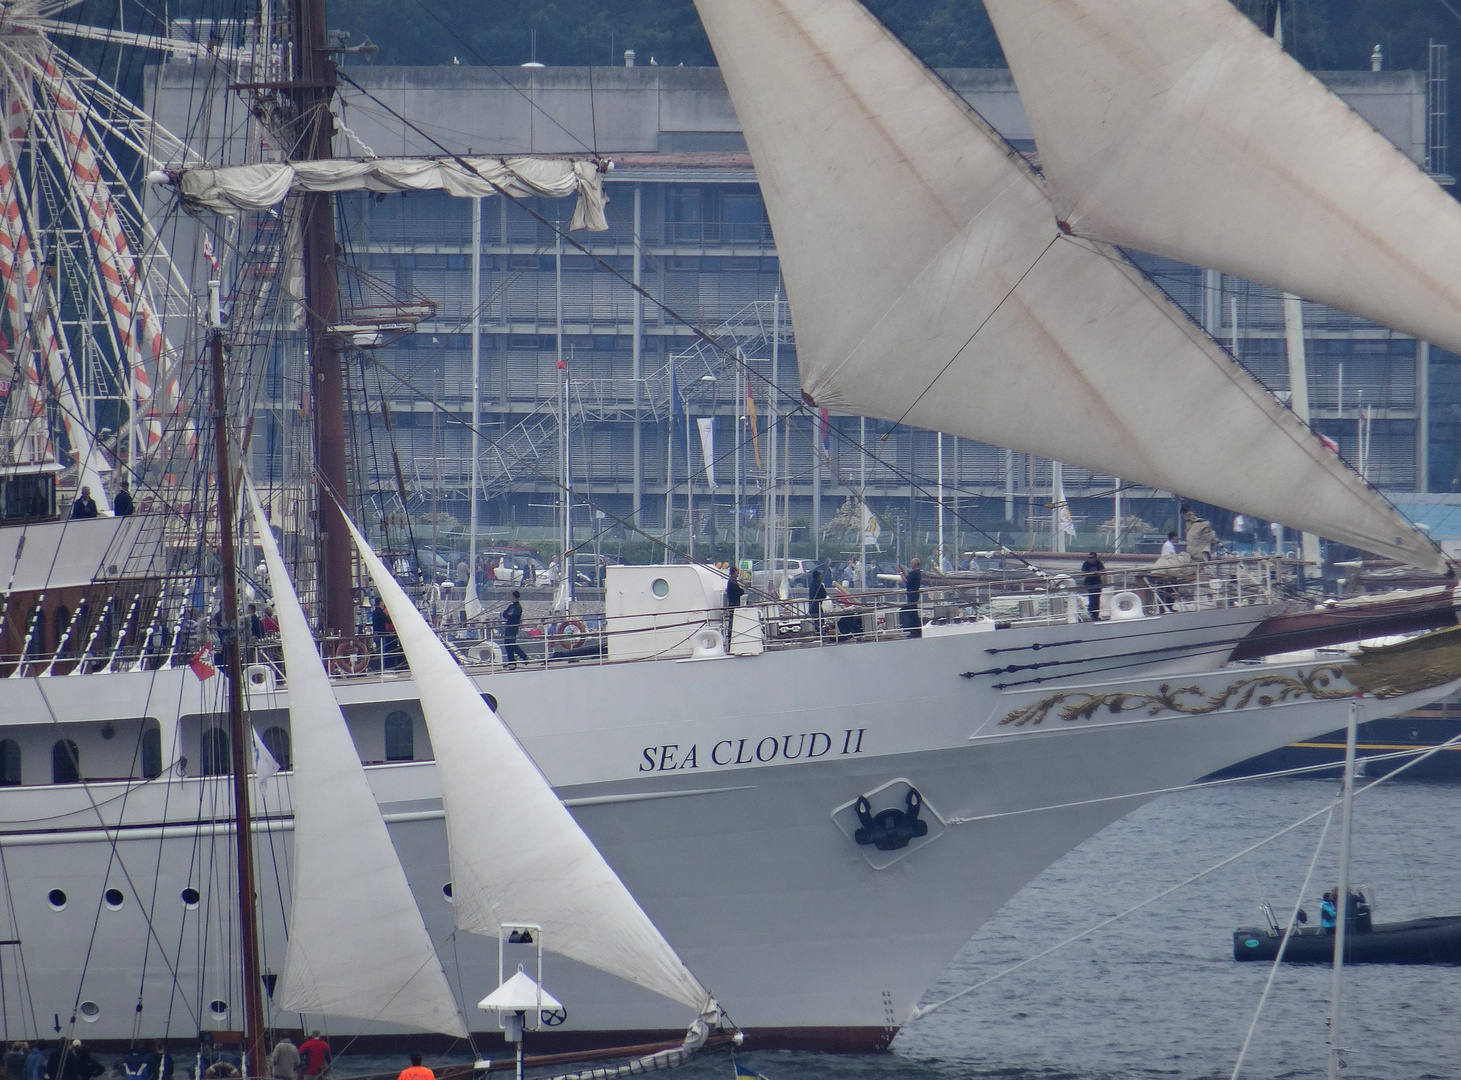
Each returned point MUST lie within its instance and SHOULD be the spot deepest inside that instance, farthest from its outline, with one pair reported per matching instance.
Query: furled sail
(234, 188)
(357, 944)
(931, 285)
(517, 855)
(1181, 129)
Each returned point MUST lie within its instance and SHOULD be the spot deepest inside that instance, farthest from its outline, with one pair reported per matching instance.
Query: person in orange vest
(417, 1071)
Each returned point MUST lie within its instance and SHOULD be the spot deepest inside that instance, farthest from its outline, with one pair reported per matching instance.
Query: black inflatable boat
(1419, 941)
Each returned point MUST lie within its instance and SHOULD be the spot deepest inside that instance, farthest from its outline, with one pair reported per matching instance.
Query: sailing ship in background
(759, 803)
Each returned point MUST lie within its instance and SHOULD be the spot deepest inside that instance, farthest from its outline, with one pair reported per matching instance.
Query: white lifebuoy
(708, 641)
(260, 678)
(1126, 605)
(350, 656)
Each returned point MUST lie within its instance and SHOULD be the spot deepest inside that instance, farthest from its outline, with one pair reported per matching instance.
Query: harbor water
(1158, 993)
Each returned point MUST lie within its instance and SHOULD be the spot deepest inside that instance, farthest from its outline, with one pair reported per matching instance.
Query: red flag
(1327, 441)
(201, 667)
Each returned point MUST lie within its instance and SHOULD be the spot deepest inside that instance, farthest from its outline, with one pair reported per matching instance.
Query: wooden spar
(242, 743)
(317, 82)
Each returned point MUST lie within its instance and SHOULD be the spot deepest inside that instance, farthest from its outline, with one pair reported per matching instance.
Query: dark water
(1158, 993)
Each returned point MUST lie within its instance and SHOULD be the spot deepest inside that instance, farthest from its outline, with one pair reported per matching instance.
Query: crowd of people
(71, 1059)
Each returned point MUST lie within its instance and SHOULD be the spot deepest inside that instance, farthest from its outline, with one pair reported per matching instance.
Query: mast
(314, 87)
(470, 600)
(1341, 892)
(238, 728)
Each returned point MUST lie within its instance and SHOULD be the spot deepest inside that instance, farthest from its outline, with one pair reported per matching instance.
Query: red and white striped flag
(209, 253)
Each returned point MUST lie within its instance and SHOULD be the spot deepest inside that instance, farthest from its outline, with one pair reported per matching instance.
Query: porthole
(190, 898)
(57, 899)
(218, 1007)
(114, 898)
(90, 1011)
(491, 701)
(446, 892)
(660, 587)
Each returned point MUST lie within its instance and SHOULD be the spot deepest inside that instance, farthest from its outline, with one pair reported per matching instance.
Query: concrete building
(687, 222)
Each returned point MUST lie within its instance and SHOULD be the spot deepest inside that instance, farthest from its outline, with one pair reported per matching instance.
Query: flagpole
(864, 517)
(689, 489)
(740, 396)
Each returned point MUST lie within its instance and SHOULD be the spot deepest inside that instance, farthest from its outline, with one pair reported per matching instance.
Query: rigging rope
(925, 1010)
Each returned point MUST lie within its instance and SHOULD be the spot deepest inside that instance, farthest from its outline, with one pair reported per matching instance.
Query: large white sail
(930, 284)
(1181, 129)
(357, 944)
(517, 855)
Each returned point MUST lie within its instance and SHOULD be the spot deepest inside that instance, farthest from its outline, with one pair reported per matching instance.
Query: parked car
(797, 572)
(510, 566)
(590, 570)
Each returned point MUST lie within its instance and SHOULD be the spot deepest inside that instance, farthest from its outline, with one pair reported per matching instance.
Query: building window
(217, 756)
(151, 753)
(9, 763)
(65, 763)
(400, 737)
(276, 741)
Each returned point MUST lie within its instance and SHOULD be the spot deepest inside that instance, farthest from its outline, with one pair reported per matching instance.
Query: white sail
(233, 188)
(931, 285)
(357, 944)
(1181, 129)
(517, 855)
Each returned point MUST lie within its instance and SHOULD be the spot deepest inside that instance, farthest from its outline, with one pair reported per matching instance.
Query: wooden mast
(314, 88)
(242, 743)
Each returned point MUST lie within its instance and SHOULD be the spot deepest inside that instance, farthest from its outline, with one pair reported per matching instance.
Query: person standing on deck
(911, 619)
(512, 621)
(1093, 568)
(314, 1055)
(734, 592)
(35, 1064)
(84, 506)
(416, 1071)
(122, 504)
(816, 594)
(284, 1061)
(1327, 913)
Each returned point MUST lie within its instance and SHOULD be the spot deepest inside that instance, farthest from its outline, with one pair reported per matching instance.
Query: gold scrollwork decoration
(1322, 683)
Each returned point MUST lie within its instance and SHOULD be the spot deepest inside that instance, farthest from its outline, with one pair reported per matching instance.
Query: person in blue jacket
(1328, 913)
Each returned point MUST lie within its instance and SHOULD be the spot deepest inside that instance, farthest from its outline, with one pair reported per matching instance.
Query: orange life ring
(569, 635)
(350, 656)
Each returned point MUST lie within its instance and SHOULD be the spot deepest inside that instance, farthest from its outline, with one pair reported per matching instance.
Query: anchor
(890, 829)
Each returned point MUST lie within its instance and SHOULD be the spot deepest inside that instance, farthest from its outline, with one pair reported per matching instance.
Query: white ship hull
(679, 772)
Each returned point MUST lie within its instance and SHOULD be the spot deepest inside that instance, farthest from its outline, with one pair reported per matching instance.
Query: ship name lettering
(808, 746)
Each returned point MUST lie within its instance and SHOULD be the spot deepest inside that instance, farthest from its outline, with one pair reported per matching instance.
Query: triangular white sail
(517, 855)
(1181, 129)
(357, 944)
(931, 285)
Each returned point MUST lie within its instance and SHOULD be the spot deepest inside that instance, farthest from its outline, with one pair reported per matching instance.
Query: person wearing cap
(314, 1055)
(512, 620)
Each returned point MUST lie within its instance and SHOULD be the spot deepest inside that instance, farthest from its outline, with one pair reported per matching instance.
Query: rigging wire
(925, 1010)
(1288, 932)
